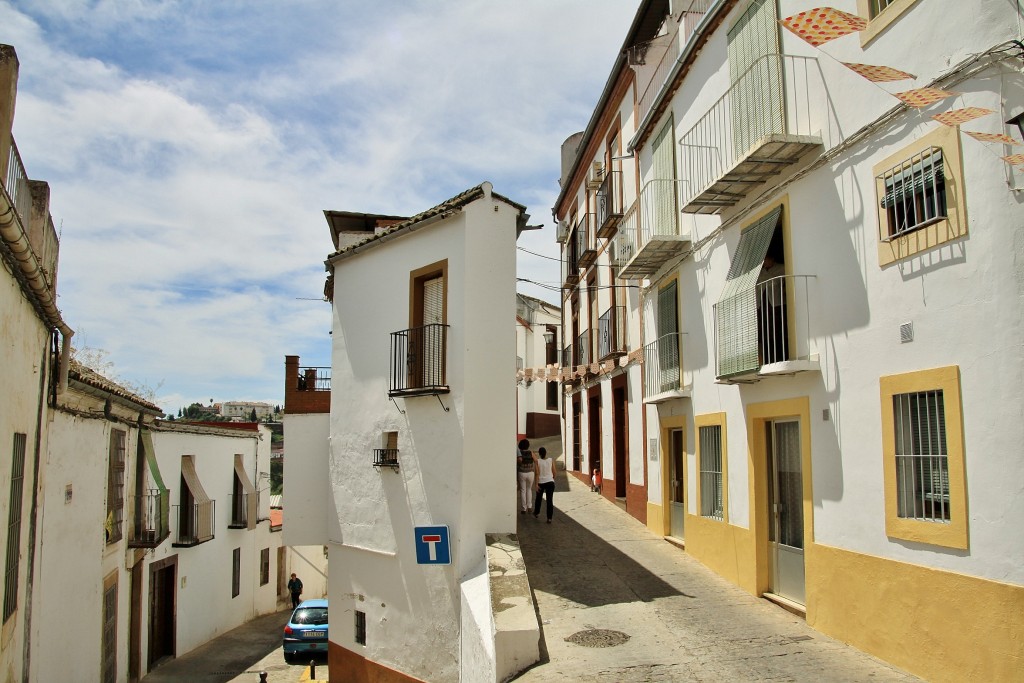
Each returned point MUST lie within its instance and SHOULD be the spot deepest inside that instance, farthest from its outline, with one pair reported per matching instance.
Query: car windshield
(310, 615)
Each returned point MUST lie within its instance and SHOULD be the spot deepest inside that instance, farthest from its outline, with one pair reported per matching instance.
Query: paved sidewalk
(600, 577)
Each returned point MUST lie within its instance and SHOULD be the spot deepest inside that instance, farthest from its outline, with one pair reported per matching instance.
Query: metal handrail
(611, 332)
(195, 523)
(314, 379)
(747, 112)
(418, 360)
(581, 352)
(239, 503)
(385, 457)
(663, 364)
(150, 519)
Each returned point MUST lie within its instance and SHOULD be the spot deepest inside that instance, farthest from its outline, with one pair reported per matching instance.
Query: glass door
(677, 483)
(785, 509)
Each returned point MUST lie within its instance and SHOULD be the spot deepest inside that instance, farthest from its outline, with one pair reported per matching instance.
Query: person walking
(524, 472)
(544, 475)
(295, 588)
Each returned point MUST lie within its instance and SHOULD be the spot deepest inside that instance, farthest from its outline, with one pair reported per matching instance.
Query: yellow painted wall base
(656, 519)
(725, 549)
(936, 624)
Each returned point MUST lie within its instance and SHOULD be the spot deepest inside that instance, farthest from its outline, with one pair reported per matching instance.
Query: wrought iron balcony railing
(609, 204)
(314, 379)
(385, 457)
(418, 361)
(195, 523)
(586, 247)
(581, 350)
(611, 333)
(150, 523)
(765, 330)
(651, 232)
(763, 123)
(17, 186)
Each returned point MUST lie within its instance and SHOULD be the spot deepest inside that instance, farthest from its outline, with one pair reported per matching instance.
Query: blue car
(306, 630)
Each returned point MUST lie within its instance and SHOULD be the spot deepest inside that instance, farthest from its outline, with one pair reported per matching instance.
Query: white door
(785, 509)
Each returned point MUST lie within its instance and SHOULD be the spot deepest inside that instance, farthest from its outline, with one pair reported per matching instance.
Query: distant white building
(538, 393)
(420, 431)
(243, 410)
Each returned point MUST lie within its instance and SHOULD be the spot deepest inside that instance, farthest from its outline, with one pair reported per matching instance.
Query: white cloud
(191, 148)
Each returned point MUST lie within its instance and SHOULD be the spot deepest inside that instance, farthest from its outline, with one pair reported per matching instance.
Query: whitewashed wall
(306, 481)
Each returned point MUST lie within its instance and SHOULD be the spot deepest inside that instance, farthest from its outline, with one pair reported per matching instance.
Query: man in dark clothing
(295, 588)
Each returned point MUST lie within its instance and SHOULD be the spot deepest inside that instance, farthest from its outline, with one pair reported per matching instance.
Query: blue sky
(191, 147)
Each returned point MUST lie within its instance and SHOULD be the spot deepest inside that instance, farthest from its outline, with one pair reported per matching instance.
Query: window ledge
(681, 392)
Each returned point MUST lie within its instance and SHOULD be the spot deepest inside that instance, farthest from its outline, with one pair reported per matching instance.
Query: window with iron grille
(109, 635)
(360, 627)
(875, 7)
(115, 486)
(915, 194)
(922, 469)
(14, 527)
(710, 443)
(265, 566)
(236, 572)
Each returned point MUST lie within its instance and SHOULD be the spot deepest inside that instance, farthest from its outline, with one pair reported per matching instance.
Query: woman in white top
(544, 476)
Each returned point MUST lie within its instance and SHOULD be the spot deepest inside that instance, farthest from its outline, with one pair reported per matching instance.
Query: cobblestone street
(600, 577)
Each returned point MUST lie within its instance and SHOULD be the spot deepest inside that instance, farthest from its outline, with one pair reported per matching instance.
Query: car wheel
(289, 656)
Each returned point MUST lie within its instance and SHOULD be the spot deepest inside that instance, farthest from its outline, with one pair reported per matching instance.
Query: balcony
(239, 510)
(150, 519)
(306, 389)
(385, 457)
(611, 334)
(765, 331)
(583, 237)
(664, 378)
(572, 262)
(195, 523)
(609, 204)
(17, 185)
(650, 233)
(581, 350)
(418, 365)
(759, 128)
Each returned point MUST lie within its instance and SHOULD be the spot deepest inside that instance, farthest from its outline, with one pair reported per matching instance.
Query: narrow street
(640, 609)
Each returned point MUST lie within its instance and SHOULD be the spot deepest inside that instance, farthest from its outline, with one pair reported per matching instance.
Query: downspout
(32, 275)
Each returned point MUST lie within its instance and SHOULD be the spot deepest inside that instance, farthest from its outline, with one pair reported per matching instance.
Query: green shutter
(158, 482)
(736, 311)
(755, 71)
(668, 346)
(662, 186)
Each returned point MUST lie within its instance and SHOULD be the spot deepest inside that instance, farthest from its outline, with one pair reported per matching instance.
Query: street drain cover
(598, 637)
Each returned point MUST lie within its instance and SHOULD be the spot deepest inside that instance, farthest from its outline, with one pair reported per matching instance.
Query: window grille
(711, 472)
(115, 486)
(877, 6)
(922, 469)
(360, 627)
(14, 527)
(914, 194)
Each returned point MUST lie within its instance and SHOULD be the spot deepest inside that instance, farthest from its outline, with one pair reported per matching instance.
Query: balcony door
(755, 71)
(668, 339)
(426, 343)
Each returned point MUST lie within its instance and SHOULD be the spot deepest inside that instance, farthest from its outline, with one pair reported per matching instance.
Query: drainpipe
(32, 275)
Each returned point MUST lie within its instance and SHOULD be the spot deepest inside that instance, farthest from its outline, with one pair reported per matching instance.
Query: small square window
(360, 627)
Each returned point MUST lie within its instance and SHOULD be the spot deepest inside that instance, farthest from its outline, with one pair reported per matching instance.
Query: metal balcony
(581, 351)
(418, 361)
(762, 125)
(150, 519)
(385, 457)
(766, 331)
(239, 503)
(611, 334)
(609, 204)
(195, 523)
(650, 233)
(664, 378)
(583, 235)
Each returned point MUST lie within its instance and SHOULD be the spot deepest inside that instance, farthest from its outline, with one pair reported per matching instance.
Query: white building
(242, 410)
(839, 434)
(420, 435)
(538, 403)
(31, 326)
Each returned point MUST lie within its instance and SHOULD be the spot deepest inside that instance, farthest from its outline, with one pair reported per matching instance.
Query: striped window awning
(204, 520)
(146, 439)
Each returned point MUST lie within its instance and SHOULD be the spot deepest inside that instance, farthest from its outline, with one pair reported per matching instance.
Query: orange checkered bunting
(878, 74)
(955, 117)
(922, 97)
(820, 25)
(994, 137)
(1015, 159)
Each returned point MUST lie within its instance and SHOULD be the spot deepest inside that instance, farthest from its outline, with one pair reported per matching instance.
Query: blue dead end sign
(432, 545)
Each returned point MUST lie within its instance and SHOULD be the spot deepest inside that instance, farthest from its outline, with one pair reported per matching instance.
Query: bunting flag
(922, 97)
(994, 137)
(595, 368)
(822, 24)
(623, 361)
(609, 365)
(1015, 159)
(878, 74)
(581, 370)
(955, 117)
